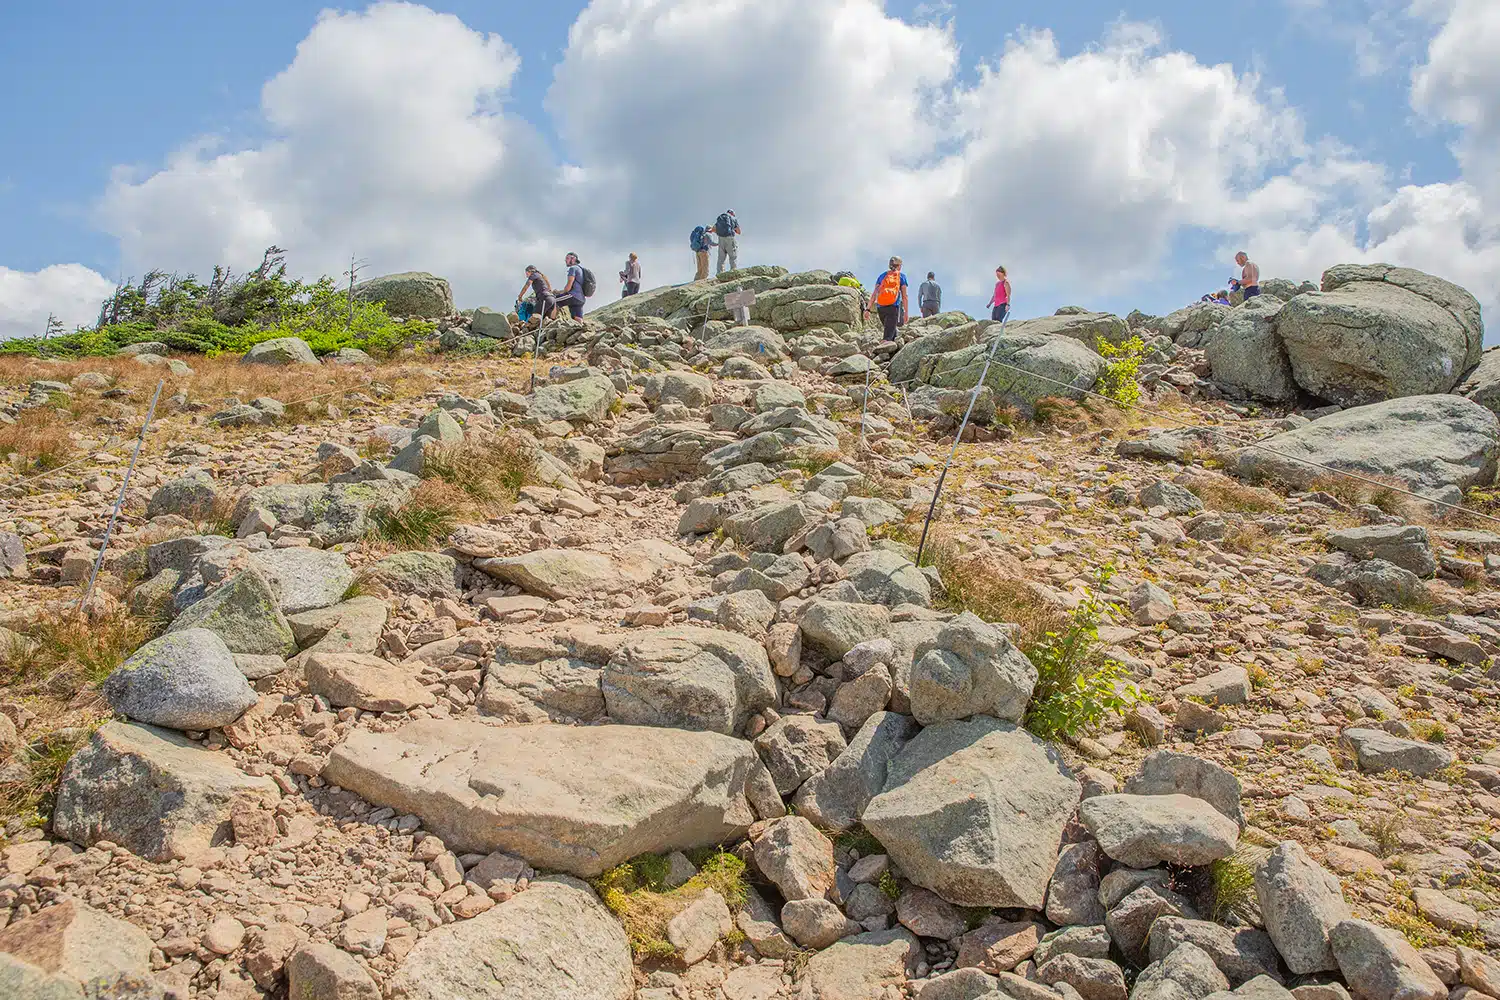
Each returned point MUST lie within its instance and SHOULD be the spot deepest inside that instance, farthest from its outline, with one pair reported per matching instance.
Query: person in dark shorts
(1249, 275)
(890, 298)
(1000, 301)
(571, 294)
(541, 290)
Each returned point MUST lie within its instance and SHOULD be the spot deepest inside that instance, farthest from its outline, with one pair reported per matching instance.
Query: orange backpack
(888, 292)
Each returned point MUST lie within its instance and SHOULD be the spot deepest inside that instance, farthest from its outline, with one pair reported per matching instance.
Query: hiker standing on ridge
(1249, 275)
(702, 241)
(727, 228)
(930, 296)
(576, 290)
(890, 299)
(1000, 301)
(631, 276)
(541, 289)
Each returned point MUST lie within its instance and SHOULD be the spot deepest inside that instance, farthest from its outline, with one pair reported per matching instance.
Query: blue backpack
(699, 240)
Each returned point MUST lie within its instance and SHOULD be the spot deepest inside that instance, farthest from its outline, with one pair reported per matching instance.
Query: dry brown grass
(64, 650)
(1247, 540)
(1379, 493)
(1223, 493)
(489, 469)
(40, 437)
(993, 585)
(28, 793)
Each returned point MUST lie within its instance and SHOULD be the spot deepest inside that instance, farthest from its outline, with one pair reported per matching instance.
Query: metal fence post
(120, 500)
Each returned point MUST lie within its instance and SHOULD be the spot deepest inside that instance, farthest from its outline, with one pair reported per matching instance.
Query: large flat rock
(555, 941)
(577, 800)
(1436, 445)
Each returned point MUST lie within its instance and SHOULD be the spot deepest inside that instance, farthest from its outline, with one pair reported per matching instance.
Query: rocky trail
(404, 679)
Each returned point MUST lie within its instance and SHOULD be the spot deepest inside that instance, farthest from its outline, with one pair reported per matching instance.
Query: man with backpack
(930, 296)
(890, 299)
(579, 286)
(727, 228)
(701, 241)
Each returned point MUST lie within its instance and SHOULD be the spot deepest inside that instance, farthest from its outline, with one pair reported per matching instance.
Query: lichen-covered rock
(151, 791)
(408, 294)
(1377, 332)
(183, 680)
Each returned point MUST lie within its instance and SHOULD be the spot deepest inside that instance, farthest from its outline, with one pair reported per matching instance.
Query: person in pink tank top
(1000, 301)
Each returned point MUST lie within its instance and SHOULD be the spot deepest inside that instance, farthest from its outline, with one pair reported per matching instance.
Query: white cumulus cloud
(71, 292)
(838, 133)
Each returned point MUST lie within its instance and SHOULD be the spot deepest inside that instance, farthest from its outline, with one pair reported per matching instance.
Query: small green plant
(1077, 686)
(1231, 889)
(1122, 365)
(1385, 829)
(889, 887)
(857, 838)
(637, 893)
(1429, 729)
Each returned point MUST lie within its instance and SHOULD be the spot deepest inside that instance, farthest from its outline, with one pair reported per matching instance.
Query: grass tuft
(429, 514)
(1231, 889)
(1222, 493)
(986, 583)
(490, 471)
(29, 793)
(62, 651)
(636, 892)
(1246, 539)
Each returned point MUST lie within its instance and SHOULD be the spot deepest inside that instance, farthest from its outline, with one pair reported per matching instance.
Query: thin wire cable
(973, 398)
(114, 514)
(1162, 414)
(113, 443)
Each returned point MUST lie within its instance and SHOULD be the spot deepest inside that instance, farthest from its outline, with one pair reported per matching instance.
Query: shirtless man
(1249, 275)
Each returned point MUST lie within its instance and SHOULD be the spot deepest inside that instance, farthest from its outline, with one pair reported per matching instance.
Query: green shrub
(229, 314)
(1077, 686)
(1121, 370)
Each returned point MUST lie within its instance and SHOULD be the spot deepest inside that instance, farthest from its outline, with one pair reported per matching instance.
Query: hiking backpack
(888, 290)
(590, 286)
(724, 225)
(699, 241)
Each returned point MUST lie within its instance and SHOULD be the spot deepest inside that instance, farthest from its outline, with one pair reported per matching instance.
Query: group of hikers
(1247, 284)
(891, 298)
(545, 301)
(539, 300)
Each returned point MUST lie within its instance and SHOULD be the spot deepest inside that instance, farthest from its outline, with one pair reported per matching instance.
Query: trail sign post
(739, 303)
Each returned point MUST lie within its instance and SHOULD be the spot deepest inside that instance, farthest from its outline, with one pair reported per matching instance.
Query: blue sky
(113, 92)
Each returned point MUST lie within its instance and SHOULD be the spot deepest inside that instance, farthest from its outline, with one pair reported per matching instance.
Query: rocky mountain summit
(615, 674)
